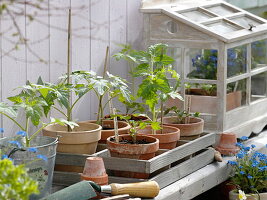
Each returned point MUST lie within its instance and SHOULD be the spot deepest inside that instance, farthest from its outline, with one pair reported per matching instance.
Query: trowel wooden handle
(149, 189)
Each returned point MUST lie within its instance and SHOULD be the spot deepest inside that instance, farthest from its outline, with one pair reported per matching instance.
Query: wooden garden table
(206, 177)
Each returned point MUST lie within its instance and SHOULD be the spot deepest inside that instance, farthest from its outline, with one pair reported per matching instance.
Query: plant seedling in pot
(30, 102)
(181, 115)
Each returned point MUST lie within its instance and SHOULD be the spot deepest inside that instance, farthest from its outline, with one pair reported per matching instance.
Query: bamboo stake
(106, 62)
(187, 108)
(69, 114)
(116, 126)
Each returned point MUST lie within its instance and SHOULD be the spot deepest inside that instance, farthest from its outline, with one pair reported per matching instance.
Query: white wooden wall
(96, 24)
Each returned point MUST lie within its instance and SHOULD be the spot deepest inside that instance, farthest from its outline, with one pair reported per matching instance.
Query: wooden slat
(187, 167)
(125, 164)
(65, 178)
(180, 152)
(71, 159)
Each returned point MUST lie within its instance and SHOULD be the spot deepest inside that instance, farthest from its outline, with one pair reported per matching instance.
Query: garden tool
(86, 189)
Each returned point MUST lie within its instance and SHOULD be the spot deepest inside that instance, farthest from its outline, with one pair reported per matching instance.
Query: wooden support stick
(116, 126)
(187, 108)
(106, 62)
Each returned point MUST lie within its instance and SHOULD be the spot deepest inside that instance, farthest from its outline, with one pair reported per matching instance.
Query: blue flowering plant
(205, 65)
(249, 169)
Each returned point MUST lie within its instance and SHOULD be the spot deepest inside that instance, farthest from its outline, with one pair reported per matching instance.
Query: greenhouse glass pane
(245, 21)
(197, 15)
(236, 61)
(222, 10)
(236, 94)
(201, 63)
(222, 27)
(259, 54)
(258, 86)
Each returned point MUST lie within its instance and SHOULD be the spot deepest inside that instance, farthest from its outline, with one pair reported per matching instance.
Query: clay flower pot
(200, 102)
(167, 140)
(194, 127)
(227, 145)
(233, 195)
(82, 140)
(94, 170)
(133, 151)
(108, 129)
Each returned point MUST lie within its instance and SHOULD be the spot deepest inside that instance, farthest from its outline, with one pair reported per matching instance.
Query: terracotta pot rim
(134, 149)
(133, 145)
(200, 121)
(164, 126)
(75, 137)
(75, 132)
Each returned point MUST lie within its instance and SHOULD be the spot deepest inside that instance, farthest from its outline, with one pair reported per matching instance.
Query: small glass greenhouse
(221, 56)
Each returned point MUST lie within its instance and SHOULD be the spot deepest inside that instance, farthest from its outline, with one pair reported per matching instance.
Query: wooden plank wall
(96, 24)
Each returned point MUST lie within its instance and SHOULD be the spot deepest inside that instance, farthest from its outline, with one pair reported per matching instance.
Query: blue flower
(255, 163)
(253, 146)
(238, 144)
(240, 155)
(242, 172)
(1, 130)
(32, 149)
(232, 162)
(16, 143)
(43, 157)
(250, 177)
(4, 157)
(246, 148)
(262, 168)
(21, 133)
(213, 51)
(243, 138)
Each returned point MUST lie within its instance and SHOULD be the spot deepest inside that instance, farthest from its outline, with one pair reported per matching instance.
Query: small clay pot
(123, 128)
(227, 145)
(167, 140)
(94, 170)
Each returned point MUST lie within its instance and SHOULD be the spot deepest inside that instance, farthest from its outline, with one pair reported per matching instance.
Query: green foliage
(154, 66)
(110, 86)
(180, 114)
(135, 125)
(15, 182)
(32, 101)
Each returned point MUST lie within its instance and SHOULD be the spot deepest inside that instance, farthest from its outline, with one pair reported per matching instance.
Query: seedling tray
(166, 167)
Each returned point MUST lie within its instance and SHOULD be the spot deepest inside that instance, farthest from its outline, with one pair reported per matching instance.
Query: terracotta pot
(227, 144)
(195, 126)
(167, 140)
(82, 140)
(124, 128)
(94, 170)
(208, 104)
(133, 151)
(233, 195)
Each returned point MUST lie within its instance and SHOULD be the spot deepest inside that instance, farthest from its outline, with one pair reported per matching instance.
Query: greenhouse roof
(216, 18)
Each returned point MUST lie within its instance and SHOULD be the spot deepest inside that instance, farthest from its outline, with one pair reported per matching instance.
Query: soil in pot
(133, 117)
(108, 129)
(167, 140)
(145, 149)
(194, 127)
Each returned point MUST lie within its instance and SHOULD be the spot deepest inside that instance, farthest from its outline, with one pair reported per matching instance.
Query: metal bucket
(40, 170)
